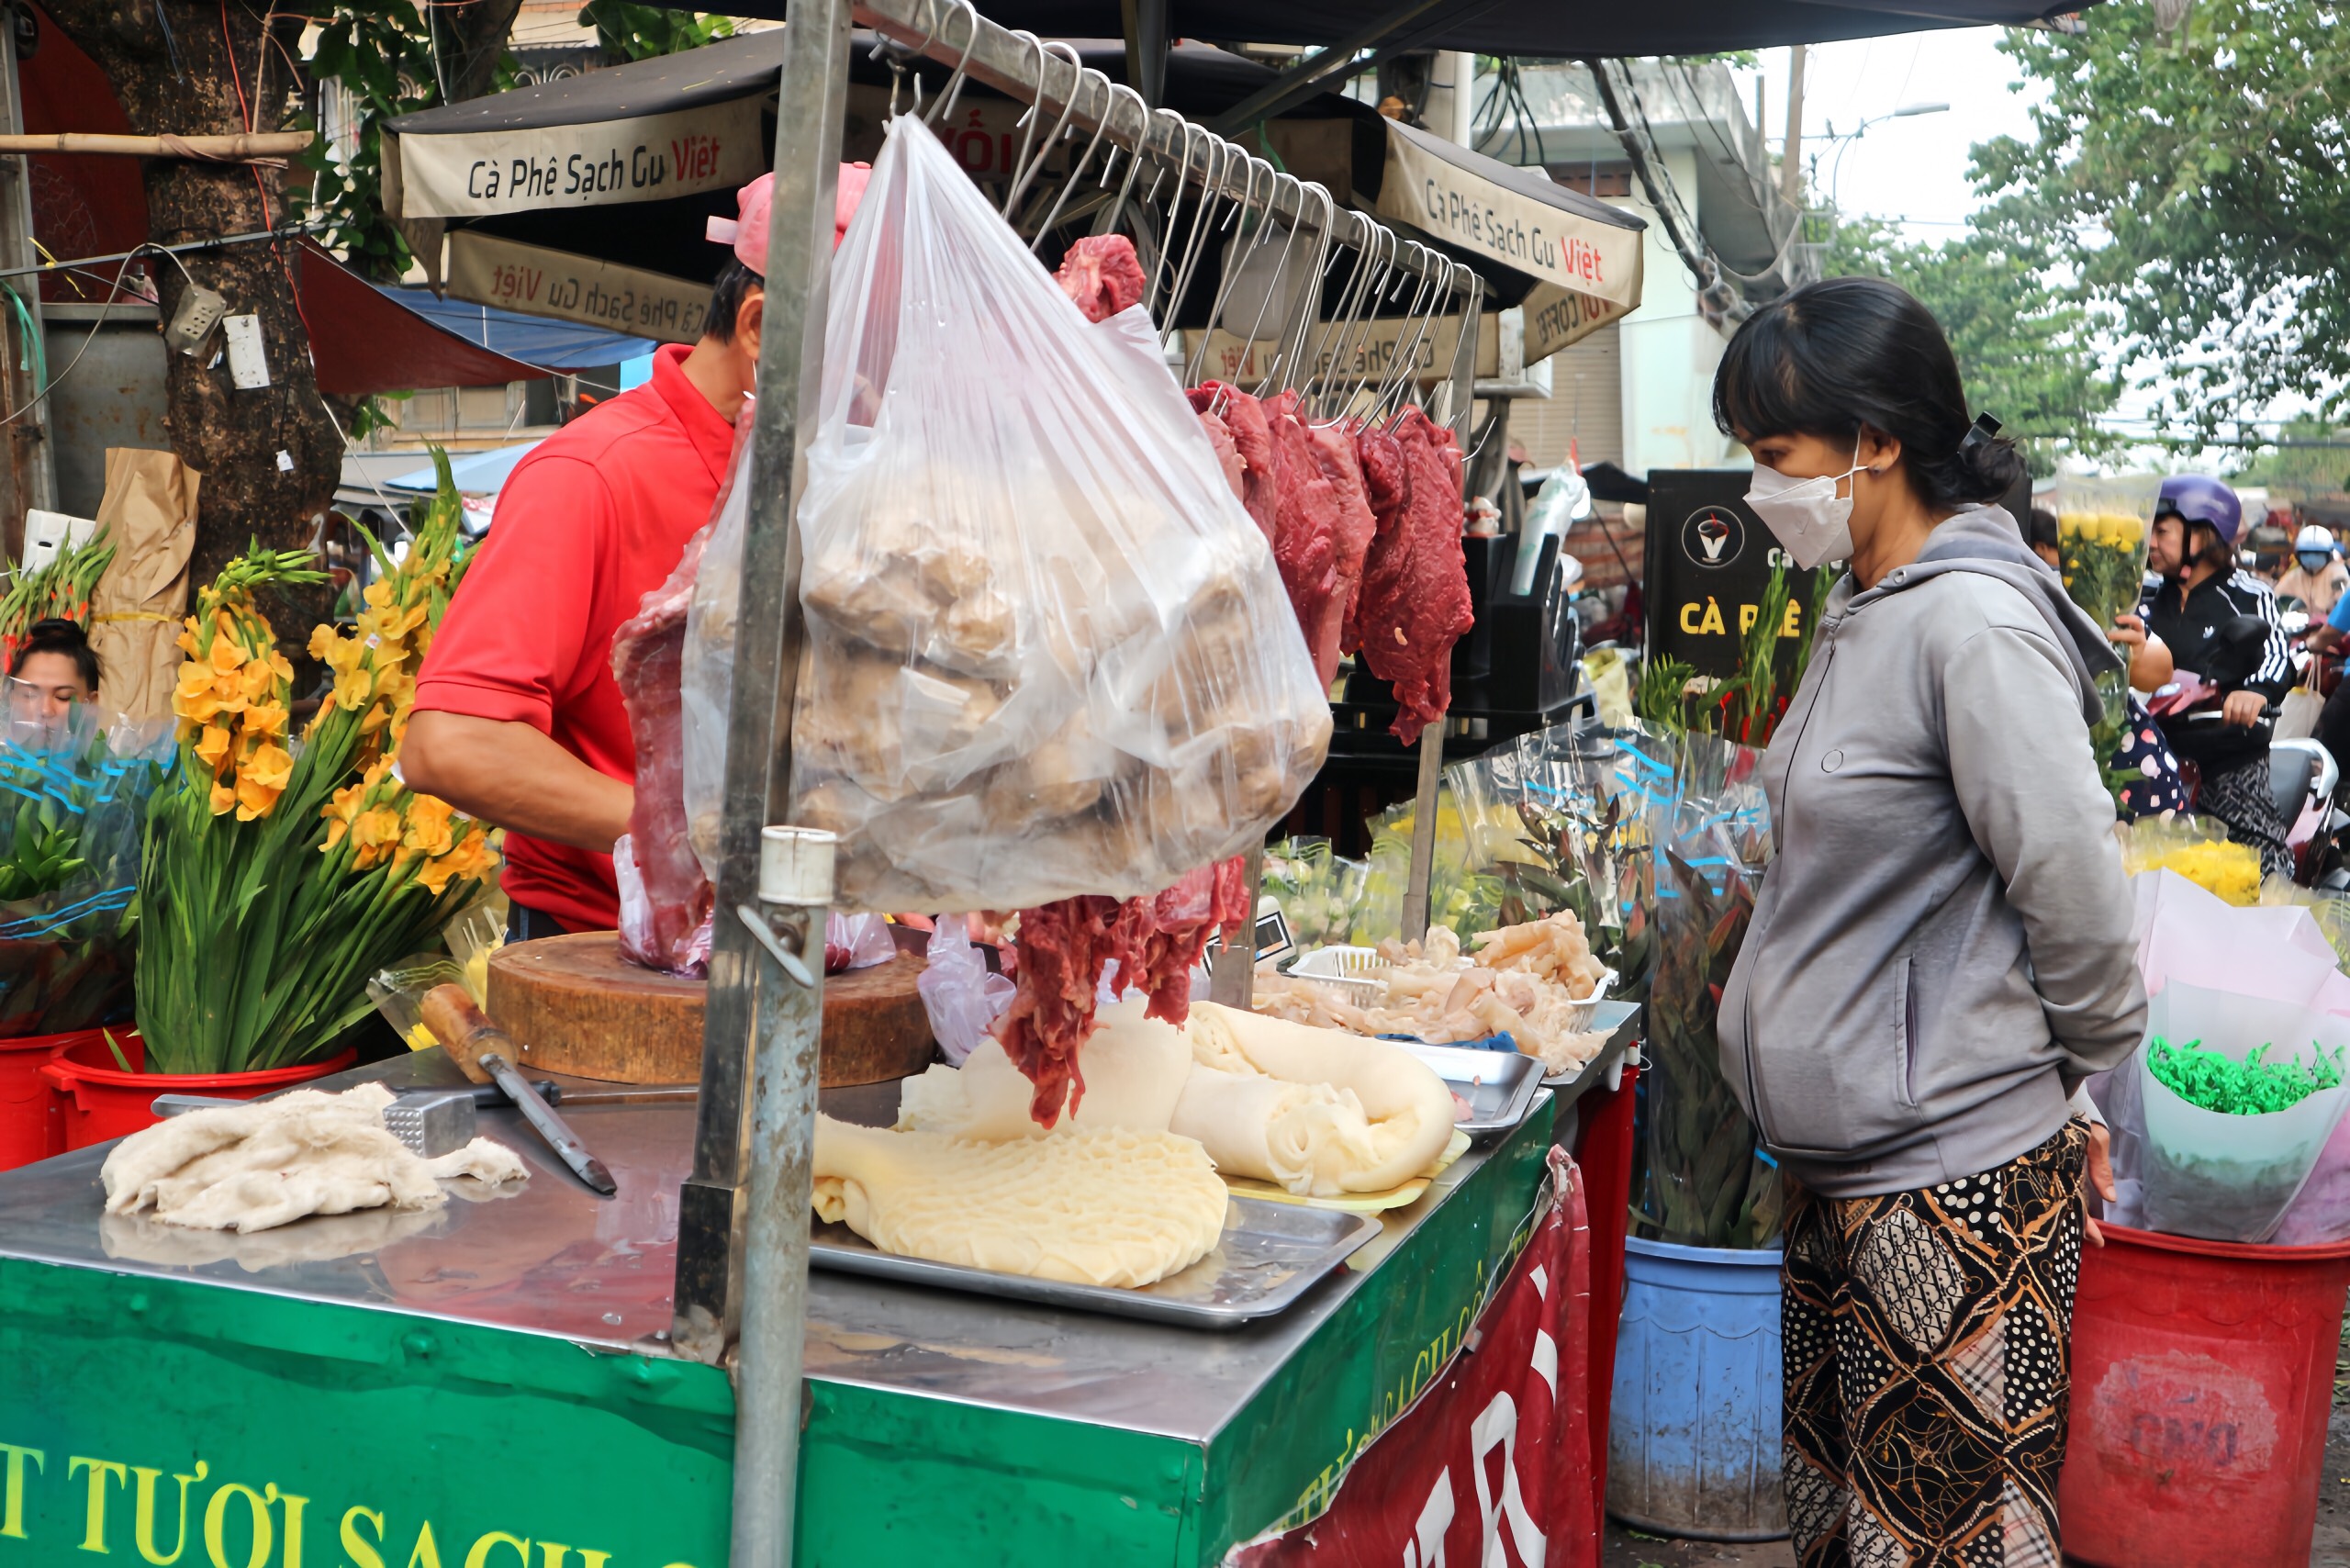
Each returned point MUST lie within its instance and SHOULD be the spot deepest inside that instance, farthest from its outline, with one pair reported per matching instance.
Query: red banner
(1490, 1467)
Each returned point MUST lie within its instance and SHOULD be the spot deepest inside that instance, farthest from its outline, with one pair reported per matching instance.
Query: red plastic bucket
(103, 1101)
(2202, 1379)
(31, 1126)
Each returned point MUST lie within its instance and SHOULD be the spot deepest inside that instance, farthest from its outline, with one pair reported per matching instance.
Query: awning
(475, 473)
(363, 341)
(535, 339)
(1537, 28)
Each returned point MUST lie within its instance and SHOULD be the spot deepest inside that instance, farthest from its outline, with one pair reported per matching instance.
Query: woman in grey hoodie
(1939, 954)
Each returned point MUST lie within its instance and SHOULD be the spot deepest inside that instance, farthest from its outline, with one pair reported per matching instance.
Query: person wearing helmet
(2192, 548)
(2317, 577)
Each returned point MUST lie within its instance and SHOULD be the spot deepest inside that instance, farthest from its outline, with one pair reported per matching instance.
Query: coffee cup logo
(1713, 537)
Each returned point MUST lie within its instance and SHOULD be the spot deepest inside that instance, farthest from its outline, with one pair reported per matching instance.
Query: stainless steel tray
(1621, 1019)
(1272, 1254)
(1500, 1086)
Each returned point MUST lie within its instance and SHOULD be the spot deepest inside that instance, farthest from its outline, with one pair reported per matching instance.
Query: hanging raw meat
(1227, 456)
(1334, 449)
(665, 899)
(1306, 534)
(1415, 603)
(1063, 949)
(1252, 437)
(1102, 274)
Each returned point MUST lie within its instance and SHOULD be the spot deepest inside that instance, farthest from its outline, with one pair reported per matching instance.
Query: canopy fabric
(475, 473)
(1540, 29)
(535, 339)
(363, 341)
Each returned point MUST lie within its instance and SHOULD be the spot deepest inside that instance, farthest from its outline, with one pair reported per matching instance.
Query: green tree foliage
(2197, 182)
(2312, 458)
(396, 56)
(2023, 344)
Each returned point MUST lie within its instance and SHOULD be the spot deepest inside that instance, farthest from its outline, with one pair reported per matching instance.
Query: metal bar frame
(741, 1293)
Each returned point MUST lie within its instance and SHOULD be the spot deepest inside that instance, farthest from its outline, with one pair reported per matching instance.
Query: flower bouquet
(2101, 528)
(59, 590)
(279, 876)
(74, 796)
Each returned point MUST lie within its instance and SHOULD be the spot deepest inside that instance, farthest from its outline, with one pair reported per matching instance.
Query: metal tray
(1272, 1254)
(1621, 1019)
(1500, 1086)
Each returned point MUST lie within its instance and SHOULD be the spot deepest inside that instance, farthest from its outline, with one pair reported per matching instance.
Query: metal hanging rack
(742, 1283)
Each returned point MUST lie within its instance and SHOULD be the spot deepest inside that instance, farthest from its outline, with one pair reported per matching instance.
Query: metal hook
(1385, 247)
(1441, 284)
(1288, 246)
(1294, 335)
(1399, 370)
(1334, 333)
(1111, 216)
(1077, 169)
(1167, 264)
(945, 103)
(1028, 170)
(1198, 362)
(1211, 189)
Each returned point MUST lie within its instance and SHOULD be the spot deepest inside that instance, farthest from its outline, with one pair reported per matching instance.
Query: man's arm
(514, 775)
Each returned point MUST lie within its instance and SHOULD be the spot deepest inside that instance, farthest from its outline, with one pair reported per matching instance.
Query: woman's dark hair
(2041, 528)
(1848, 352)
(59, 637)
(735, 284)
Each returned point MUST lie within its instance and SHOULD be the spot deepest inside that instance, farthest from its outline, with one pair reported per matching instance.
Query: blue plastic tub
(1692, 1445)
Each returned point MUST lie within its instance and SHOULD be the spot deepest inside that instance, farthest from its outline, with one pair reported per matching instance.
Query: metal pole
(1791, 150)
(766, 665)
(32, 461)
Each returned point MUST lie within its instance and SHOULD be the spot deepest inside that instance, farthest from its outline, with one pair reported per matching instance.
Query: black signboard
(1709, 561)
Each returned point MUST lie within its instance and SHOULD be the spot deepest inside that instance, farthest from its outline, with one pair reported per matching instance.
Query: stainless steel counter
(551, 1258)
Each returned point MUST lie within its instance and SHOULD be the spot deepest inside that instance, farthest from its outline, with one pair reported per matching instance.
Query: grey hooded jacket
(1941, 950)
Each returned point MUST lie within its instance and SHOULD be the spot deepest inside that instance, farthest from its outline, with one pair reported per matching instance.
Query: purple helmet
(2198, 498)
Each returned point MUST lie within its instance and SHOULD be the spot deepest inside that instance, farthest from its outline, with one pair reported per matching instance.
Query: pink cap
(747, 231)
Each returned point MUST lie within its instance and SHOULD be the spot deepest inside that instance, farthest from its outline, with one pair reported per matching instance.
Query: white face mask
(1812, 523)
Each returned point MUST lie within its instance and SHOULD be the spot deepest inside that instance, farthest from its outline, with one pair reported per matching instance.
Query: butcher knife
(486, 1055)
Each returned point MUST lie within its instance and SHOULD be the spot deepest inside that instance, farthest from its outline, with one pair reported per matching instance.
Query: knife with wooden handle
(485, 1054)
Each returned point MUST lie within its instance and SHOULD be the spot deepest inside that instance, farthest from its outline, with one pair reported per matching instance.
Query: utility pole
(1791, 158)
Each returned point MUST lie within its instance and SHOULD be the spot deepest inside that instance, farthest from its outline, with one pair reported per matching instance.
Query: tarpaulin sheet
(364, 340)
(535, 339)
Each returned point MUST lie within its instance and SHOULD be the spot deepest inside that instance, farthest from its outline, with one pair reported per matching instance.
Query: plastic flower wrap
(277, 879)
(2101, 529)
(2196, 851)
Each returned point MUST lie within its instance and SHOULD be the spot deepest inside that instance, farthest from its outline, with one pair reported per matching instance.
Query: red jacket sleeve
(513, 644)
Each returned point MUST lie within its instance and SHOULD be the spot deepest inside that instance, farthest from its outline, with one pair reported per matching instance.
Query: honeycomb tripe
(1093, 1206)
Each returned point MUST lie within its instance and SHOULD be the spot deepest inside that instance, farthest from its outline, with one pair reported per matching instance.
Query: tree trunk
(270, 456)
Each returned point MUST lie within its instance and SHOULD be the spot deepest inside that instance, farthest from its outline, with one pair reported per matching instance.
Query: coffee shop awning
(524, 182)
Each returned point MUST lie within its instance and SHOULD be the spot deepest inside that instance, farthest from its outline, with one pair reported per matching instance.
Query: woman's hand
(2128, 629)
(2100, 1174)
(2242, 708)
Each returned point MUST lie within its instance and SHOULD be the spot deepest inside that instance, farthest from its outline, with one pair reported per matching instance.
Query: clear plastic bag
(961, 998)
(706, 669)
(2230, 1178)
(857, 941)
(1048, 652)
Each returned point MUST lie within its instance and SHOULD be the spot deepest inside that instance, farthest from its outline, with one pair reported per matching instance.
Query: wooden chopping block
(574, 1006)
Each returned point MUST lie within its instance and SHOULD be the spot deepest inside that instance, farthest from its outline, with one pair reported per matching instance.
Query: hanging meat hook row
(1077, 169)
(1407, 260)
(1407, 357)
(945, 103)
(1280, 268)
(1198, 359)
(1025, 167)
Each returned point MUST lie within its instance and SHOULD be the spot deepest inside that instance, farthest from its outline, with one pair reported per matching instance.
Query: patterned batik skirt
(1928, 1366)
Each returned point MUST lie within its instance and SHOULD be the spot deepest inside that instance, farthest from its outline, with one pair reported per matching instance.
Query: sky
(1914, 169)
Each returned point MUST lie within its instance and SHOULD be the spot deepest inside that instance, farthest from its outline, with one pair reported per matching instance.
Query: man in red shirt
(518, 720)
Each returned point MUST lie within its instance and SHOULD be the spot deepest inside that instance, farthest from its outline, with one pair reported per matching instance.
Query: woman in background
(53, 668)
(1939, 956)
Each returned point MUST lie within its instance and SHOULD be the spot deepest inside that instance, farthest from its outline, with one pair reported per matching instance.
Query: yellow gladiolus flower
(270, 765)
(255, 800)
(352, 690)
(213, 747)
(378, 595)
(428, 826)
(265, 718)
(224, 800)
